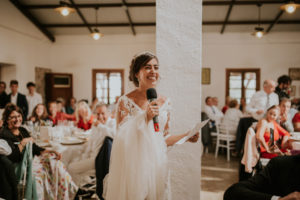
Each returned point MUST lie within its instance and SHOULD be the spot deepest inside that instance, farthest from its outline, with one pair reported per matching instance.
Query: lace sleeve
(122, 111)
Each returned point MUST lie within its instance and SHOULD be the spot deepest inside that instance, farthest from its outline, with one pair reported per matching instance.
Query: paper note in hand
(193, 132)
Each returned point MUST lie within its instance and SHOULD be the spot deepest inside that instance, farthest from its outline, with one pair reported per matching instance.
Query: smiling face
(39, 110)
(14, 120)
(273, 114)
(102, 114)
(149, 74)
(285, 107)
(53, 108)
(83, 113)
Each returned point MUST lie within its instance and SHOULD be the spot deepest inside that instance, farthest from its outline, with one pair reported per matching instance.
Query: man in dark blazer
(3, 95)
(280, 179)
(17, 98)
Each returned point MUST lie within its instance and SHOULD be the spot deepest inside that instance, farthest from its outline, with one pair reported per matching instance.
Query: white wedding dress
(138, 165)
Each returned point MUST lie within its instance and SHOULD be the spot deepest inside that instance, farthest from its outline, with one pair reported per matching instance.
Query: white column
(178, 44)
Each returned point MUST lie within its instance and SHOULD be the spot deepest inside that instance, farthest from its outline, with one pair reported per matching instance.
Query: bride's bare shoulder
(131, 94)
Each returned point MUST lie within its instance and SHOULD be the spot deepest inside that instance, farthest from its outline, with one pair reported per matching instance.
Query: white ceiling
(148, 14)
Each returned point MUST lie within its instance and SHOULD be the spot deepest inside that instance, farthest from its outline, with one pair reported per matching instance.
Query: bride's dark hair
(137, 63)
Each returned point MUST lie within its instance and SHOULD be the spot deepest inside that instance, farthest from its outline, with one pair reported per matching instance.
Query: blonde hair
(82, 105)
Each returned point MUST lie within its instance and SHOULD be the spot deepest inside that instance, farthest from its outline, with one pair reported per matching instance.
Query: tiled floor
(217, 175)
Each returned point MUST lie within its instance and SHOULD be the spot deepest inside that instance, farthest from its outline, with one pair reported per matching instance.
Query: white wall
(21, 44)
(80, 54)
(179, 46)
(274, 54)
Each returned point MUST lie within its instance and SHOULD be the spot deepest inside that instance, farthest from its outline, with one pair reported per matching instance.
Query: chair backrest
(222, 129)
(251, 155)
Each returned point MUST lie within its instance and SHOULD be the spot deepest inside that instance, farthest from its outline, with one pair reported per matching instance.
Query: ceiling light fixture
(65, 8)
(290, 7)
(259, 31)
(96, 33)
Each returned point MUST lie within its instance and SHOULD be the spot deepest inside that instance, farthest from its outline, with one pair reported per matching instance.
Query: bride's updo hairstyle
(139, 61)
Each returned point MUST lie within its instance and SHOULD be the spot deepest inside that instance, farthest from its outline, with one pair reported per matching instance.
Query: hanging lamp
(96, 33)
(290, 7)
(258, 31)
(65, 8)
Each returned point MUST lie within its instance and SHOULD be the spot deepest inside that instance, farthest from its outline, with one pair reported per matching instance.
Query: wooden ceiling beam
(33, 20)
(275, 21)
(99, 24)
(241, 3)
(81, 16)
(91, 5)
(152, 4)
(206, 23)
(128, 17)
(227, 16)
(254, 22)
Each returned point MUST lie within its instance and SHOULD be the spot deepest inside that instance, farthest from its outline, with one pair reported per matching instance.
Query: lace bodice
(128, 108)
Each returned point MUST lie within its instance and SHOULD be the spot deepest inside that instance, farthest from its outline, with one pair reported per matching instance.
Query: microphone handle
(155, 119)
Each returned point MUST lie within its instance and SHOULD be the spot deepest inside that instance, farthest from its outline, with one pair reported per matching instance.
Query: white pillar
(178, 46)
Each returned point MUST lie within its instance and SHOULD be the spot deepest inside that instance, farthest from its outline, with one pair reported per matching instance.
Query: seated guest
(33, 98)
(232, 117)
(296, 121)
(56, 116)
(3, 95)
(282, 89)
(215, 101)
(43, 164)
(279, 180)
(268, 133)
(84, 117)
(243, 105)
(213, 113)
(84, 161)
(227, 100)
(71, 107)
(17, 98)
(60, 105)
(103, 115)
(262, 100)
(39, 114)
(285, 119)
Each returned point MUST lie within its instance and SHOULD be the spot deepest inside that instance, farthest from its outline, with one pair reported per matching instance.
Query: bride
(138, 166)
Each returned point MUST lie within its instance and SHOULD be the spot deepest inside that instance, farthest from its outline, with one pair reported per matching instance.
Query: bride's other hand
(152, 110)
(194, 138)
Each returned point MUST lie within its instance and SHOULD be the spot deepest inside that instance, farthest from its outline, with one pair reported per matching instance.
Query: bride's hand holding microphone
(152, 110)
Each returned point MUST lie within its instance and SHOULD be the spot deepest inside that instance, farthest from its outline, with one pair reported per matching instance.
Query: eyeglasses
(15, 117)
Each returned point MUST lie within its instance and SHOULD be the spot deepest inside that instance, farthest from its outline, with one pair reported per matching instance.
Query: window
(242, 83)
(108, 84)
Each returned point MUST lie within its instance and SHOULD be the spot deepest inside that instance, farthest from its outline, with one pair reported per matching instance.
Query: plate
(295, 138)
(71, 140)
(44, 144)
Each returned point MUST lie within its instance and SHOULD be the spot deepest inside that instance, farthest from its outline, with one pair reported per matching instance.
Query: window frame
(242, 71)
(107, 71)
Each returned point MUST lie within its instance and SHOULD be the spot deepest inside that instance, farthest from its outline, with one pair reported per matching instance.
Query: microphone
(151, 96)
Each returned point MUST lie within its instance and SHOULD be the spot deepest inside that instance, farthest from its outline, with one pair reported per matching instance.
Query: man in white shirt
(33, 98)
(213, 113)
(262, 100)
(80, 167)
